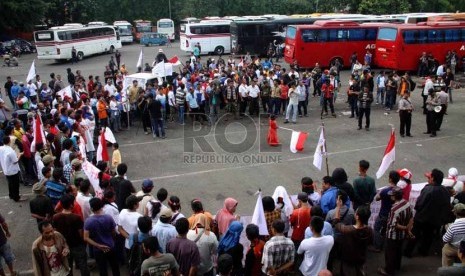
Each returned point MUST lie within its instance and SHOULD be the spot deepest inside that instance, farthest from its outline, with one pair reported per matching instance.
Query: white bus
(125, 31)
(56, 43)
(166, 26)
(213, 35)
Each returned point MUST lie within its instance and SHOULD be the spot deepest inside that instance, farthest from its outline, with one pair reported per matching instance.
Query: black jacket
(433, 205)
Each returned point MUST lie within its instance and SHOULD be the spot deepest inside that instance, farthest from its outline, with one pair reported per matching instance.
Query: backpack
(135, 257)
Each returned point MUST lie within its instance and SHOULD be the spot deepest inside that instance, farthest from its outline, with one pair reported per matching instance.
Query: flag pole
(326, 149)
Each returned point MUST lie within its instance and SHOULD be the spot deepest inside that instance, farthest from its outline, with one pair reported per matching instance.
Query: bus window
(64, 35)
(44, 36)
(409, 36)
(323, 36)
(223, 29)
(357, 35)
(370, 34)
(422, 36)
(389, 34)
(249, 31)
(307, 35)
(451, 35)
(291, 32)
(268, 29)
(463, 34)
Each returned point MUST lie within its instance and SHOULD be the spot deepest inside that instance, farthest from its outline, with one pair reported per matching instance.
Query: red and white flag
(389, 155)
(38, 133)
(298, 139)
(102, 151)
(174, 60)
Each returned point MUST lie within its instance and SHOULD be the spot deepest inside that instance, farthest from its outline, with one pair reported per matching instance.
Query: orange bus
(140, 27)
(400, 47)
(324, 42)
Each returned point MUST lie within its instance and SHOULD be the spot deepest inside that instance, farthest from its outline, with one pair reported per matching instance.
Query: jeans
(275, 106)
(266, 104)
(79, 255)
(115, 120)
(103, 258)
(157, 124)
(379, 232)
(214, 112)
(303, 105)
(380, 95)
(353, 101)
(292, 107)
(390, 99)
(172, 113)
(284, 103)
(366, 112)
(181, 114)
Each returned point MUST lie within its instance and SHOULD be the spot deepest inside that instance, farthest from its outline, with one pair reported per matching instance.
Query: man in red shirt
(328, 93)
(300, 220)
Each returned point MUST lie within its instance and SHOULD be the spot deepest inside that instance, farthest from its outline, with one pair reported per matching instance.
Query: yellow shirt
(18, 133)
(116, 158)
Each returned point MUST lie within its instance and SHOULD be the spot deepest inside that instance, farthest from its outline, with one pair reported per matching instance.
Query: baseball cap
(405, 173)
(40, 188)
(47, 159)
(395, 191)
(132, 200)
(147, 183)
(166, 213)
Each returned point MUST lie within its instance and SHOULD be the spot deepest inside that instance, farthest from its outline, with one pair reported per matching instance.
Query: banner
(92, 173)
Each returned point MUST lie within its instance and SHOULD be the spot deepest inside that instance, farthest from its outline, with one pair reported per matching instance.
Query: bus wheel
(219, 50)
(150, 44)
(80, 55)
(112, 49)
(333, 61)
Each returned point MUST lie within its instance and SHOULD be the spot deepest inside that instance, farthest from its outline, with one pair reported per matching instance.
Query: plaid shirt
(270, 217)
(400, 214)
(67, 172)
(278, 251)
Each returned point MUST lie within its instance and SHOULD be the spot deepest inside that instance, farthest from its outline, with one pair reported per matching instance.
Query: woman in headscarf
(283, 202)
(206, 243)
(230, 244)
(225, 216)
(197, 208)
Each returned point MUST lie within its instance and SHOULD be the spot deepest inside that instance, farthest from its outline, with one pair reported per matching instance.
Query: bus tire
(333, 61)
(219, 50)
(80, 56)
(149, 45)
(112, 49)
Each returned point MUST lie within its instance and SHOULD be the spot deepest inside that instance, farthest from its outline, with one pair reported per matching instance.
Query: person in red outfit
(273, 133)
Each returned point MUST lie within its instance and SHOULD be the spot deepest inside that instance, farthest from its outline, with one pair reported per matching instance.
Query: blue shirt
(327, 230)
(328, 200)
(15, 91)
(55, 191)
(164, 233)
(100, 229)
(192, 101)
(386, 202)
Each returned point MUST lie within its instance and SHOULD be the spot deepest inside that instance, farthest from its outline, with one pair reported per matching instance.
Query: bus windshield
(124, 30)
(165, 24)
(291, 32)
(44, 36)
(144, 29)
(388, 34)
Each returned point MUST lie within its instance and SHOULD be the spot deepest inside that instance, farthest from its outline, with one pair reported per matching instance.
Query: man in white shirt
(429, 84)
(243, 91)
(316, 249)
(32, 88)
(128, 220)
(110, 88)
(9, 163)
(293, 95)
(440, 70)
(381, 87)
(115, 115)
(83, 197)
(254, 94)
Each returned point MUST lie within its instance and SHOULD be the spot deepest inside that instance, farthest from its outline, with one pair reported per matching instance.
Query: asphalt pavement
(182, 164)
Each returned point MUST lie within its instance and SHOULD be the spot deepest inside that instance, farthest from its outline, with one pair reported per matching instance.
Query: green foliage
(21, 14)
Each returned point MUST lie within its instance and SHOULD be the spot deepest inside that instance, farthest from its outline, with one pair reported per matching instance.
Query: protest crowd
(55, 126)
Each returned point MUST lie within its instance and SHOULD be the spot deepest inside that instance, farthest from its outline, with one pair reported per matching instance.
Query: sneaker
(286, 122)
(146, 133)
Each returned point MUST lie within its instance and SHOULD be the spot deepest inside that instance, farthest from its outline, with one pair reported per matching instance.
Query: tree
(21, 14)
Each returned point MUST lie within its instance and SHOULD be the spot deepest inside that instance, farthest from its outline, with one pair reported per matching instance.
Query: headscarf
(202, 220)
(280, 191)
(225, 215)
(231, 237)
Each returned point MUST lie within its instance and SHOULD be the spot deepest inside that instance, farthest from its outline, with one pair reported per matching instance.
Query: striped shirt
(278, 251)
(400, 214)
(455, 233)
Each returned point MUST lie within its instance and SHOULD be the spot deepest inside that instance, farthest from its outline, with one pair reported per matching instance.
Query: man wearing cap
(399, 226)
(431, 116)
(40, 206)
(454, 235)
(128, 219)
(405, 182)
(432, 210)
(163, 229)
(452, 181)
(145, 194)
(77, 171)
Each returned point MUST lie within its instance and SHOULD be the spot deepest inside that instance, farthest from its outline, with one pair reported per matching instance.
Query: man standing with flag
(364, 186)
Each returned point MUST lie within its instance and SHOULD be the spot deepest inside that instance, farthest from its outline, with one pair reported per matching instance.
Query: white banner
(92, 173)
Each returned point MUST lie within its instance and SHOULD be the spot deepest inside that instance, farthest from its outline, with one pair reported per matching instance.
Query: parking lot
(164, 161)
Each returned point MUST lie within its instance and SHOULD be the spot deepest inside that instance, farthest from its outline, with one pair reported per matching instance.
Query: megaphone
(438, 109)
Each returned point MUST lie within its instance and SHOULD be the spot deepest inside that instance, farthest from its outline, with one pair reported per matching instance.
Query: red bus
(399, 47)
(141, 26)
(324, 42)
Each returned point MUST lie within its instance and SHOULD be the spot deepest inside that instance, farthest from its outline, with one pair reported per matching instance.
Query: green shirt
(159, 266)
(365, 190)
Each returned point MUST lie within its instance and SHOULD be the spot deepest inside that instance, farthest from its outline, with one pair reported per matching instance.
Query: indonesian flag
(389, 155)
(39, 135)
(102, 151)
(174, 60)
(297, 141)
(320, 150)
(258, 217)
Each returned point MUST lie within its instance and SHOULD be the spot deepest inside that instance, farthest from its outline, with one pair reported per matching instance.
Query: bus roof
(97, 23)
(77, 27)
(121, 22)
(164, 20)
(326, 23)
(211, 22)
(426, 25)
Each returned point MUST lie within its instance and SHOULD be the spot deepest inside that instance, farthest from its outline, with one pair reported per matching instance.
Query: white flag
(319, 151)
(65, 92)
(32, 72)
(139, 61)
(389, 155)
(258, 217)
(159, 69)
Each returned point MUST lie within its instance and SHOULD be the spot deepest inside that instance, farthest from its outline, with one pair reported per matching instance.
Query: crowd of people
(325, 231)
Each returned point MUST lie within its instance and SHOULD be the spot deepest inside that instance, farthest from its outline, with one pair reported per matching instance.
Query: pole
(326, 149)
(169, 8)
